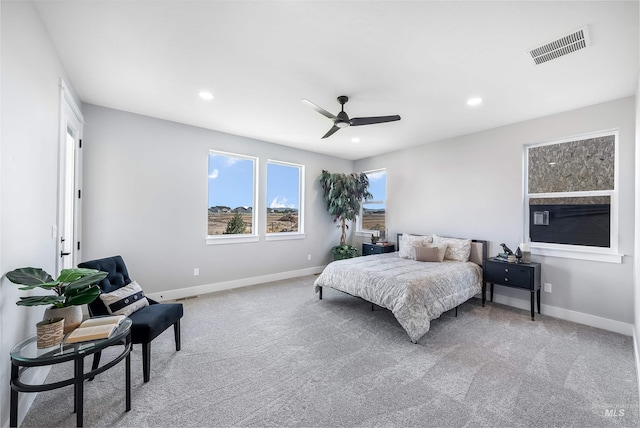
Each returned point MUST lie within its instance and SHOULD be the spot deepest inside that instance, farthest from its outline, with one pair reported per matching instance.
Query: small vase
(72, 316)
(49, 332)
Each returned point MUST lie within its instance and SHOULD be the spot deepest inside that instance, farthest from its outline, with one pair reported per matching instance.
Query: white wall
(471, 186)
(30, 105)
(145, 198)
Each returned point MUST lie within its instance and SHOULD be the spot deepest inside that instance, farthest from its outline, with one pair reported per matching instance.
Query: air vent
(563, 46)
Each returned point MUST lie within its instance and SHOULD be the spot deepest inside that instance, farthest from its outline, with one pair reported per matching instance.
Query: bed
(415, 291)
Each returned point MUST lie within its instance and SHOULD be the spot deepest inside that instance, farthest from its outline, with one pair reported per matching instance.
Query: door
(69, 191)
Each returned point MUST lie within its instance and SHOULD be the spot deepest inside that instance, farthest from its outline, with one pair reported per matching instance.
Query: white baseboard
(197, 290)
(566, 314)
(33, 376)
(569, 315)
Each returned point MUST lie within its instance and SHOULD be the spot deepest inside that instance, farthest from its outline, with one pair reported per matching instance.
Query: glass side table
(26, 354)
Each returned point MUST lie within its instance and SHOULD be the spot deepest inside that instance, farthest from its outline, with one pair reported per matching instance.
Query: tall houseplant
(72, 288)
(344, 194)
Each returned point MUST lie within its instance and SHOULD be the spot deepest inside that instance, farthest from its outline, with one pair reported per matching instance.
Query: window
(373, 212)
(232, 196)
(571, 197)
(285, 200)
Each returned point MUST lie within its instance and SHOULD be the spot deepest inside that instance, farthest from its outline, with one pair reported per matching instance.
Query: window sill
(571, 252)
(230, 239)
(284, 236)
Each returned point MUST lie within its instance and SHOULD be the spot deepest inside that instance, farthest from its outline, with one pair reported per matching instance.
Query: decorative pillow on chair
(125, 300)
(408, 242)
(457, 249)
(430, 253)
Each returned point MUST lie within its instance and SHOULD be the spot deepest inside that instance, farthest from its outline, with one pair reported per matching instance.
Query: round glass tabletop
(27, 351)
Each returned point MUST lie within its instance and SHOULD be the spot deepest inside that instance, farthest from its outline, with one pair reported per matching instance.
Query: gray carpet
(274, 355)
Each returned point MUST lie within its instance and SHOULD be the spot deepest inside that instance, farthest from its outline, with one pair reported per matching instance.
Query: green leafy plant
(345, 251)
(235, 225)
(73, 287)
(344, 194)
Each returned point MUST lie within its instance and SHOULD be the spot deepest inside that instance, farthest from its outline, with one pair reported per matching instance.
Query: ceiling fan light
(341, 124)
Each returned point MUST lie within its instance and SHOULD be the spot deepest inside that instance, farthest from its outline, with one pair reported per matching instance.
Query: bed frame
(478, 254)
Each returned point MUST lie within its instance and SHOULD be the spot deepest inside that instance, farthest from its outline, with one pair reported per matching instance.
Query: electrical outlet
(196, 271)
(309, 257)
(547, 287)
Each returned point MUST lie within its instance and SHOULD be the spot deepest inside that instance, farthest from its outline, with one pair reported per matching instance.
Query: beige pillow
(430, 253)
(457, 249)
(408, 242)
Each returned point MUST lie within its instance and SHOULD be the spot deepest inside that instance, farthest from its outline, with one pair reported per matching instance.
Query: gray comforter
(416, 292)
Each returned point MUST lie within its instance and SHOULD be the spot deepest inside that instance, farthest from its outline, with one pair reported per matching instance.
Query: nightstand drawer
(368, 249)
(509, 274)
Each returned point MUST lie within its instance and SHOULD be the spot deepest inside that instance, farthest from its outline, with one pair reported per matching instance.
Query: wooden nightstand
(368, 249)
(525, 276)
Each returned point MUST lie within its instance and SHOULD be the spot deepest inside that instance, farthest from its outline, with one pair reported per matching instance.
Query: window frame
(581, 252)
(246, 237)
(367, 232)
(281, 236)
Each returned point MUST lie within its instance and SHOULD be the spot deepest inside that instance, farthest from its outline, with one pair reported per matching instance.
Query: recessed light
(206, 95)
(355, 140)
(475, 101)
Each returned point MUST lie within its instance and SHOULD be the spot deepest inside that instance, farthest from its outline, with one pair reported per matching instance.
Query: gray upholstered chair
(147, 322)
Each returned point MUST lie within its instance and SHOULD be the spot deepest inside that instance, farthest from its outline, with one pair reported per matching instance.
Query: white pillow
(125, 300)
(457, 249)
(407, 242)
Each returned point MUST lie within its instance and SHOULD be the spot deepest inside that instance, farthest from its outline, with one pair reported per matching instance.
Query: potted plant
(344, 194)
(72, 289)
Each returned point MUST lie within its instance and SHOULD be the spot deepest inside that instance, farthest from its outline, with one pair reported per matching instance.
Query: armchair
(147, 322)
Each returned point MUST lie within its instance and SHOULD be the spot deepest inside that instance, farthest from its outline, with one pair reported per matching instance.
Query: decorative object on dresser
(526, 253)
(368, 249)
(525, 276)
(72, 289)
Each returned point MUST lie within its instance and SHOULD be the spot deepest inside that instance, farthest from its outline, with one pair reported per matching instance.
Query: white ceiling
(419, 59)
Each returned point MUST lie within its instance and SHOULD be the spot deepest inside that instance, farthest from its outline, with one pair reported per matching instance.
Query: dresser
(523, 276)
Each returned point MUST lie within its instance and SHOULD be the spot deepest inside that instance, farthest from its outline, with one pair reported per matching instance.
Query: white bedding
(416, 292)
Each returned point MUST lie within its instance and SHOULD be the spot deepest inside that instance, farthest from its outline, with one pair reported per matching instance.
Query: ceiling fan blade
(357, 121)
(318, 109)
(331, 131)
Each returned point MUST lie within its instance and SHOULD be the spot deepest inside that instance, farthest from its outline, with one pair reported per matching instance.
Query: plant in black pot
(344, 194)
(72, 289)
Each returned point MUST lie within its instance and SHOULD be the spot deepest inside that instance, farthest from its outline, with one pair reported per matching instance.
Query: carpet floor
(275, 355)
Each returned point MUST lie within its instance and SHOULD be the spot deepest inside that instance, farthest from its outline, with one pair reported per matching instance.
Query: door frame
(69, 114)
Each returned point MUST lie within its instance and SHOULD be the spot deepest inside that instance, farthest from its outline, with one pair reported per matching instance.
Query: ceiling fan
(342, 119)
